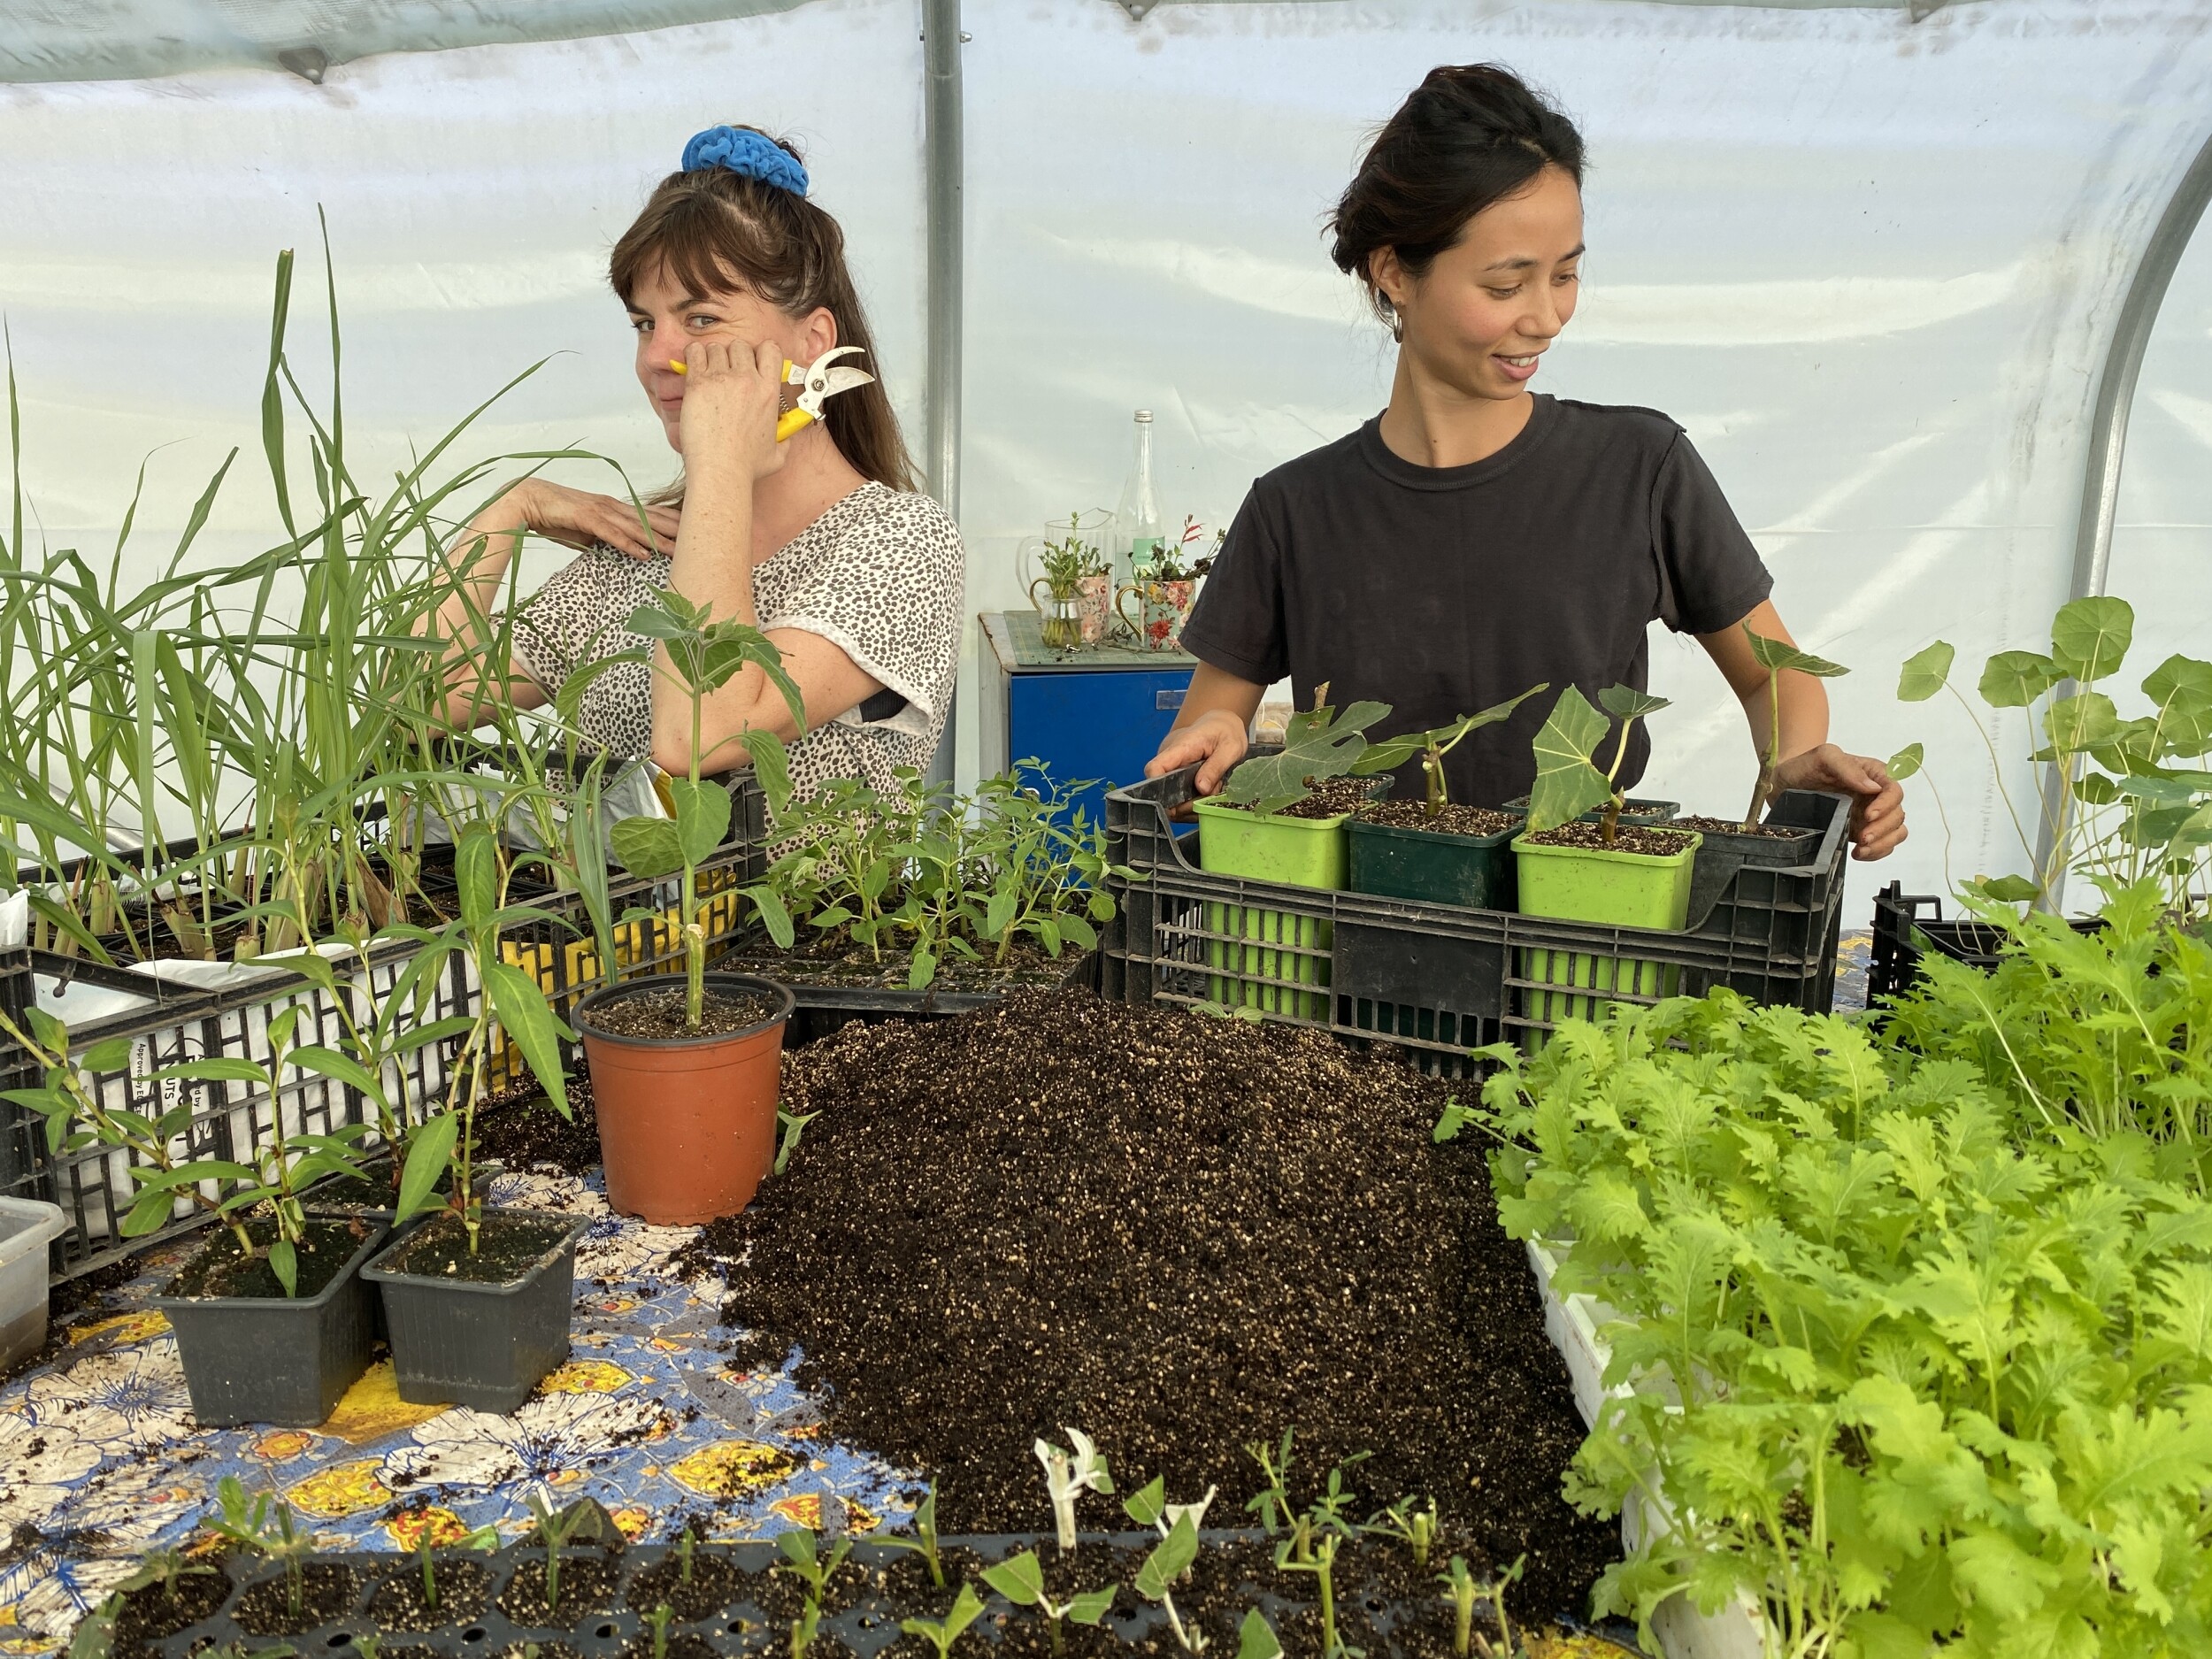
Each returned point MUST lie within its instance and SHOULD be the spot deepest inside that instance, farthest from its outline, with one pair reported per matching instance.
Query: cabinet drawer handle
(1169, 699)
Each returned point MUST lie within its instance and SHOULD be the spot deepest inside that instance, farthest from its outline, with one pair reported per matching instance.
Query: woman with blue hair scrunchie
(822, 542)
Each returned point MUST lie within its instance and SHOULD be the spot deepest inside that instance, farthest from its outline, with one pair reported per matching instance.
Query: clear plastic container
(26, 1225)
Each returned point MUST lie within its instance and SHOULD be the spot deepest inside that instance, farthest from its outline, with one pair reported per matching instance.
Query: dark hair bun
(1468, 135)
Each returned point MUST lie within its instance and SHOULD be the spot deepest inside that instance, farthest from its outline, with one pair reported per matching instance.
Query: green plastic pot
(1610, 887)
(1288, 952)
(1432, 866)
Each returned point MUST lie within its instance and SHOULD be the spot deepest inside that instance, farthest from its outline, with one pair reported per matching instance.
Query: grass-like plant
(264, 1526)
(586, 1518)
(924, 1543)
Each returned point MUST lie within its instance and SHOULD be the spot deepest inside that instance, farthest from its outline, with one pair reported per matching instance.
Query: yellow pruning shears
(817, 382)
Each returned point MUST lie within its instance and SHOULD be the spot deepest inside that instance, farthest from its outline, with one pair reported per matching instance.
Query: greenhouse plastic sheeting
(1872, 263)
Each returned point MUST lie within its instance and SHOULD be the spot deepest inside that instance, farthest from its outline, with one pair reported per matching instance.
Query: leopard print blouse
(878, 575)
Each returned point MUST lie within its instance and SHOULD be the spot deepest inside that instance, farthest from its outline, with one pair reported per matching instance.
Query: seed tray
(820, 1009)
(610, 1625)
(1440, 980)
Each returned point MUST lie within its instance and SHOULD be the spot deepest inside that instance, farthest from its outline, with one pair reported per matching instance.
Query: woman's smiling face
(1489, 306)
(667, 319)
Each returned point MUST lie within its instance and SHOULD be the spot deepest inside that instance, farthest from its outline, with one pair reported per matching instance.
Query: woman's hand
(579, 518)
(1878, 806)
(733, 396)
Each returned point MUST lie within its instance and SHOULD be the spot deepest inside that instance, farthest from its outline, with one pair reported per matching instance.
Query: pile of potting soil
(1177, 1233)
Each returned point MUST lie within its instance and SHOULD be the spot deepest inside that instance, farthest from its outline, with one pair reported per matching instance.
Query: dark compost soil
(1453, 820)
(326, 1592)
(465, 1590)
(1180, 1233)
(1333, 797)
(524, 1131)
(835, 958)
(507, 1247)
(1627, 838)
(659, 1013)
(1734, 826)
(149, 1612)
(219, 1269)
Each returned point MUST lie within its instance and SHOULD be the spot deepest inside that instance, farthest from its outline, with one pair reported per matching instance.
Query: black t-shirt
(1444, 590)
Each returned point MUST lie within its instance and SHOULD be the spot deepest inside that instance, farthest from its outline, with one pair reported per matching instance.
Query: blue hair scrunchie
(748, 154)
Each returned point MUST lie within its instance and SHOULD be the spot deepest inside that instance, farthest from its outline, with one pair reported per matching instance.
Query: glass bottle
(1138, 529)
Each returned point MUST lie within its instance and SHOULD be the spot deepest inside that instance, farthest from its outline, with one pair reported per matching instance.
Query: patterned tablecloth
(100, 1459)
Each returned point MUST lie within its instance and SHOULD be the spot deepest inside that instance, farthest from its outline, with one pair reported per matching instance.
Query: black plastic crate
(1440, 980)
(1910, 925)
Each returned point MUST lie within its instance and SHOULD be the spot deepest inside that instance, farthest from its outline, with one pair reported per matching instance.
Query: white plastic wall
(1870, 263)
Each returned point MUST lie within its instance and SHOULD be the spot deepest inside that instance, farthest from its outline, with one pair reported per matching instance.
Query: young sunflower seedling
(967, 1607)
(164, 1567)
(793, 1124)
(658, 1622)
(264, 1525)
(1068, 1475)
(1412, 1524)
(583, 1518)
(684, 1545)
(804, 1561)
(803, 1627)
(482, 1538)
(924, 1543)
(1021, 1581)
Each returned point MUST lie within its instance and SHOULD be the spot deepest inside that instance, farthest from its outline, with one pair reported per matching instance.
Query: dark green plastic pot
(1431, 866)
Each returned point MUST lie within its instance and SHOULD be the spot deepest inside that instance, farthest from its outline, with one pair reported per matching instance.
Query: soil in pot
(660, 1014)
(1452, 820)
(1177, 1233)
(587, 1586)
(1627, 838)
(1333, 797)
(835, 957)
(326, 1593)
(149, 1612)
(465, 1590)
(1734, 826)
(508, 1247)
(219, 1270)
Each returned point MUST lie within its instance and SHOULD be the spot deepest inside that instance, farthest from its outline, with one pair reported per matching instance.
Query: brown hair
(1468, 135)
(716, 230)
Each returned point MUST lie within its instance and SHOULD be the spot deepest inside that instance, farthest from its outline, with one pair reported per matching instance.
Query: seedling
(1777, 658)
(264, 1526)
(803, 1627)
(924, 1543)
(1466, 1590)
(685, 1544)
(1021, 1581)
(704, 655)
(1461, 1585)
(95, 1636)
(1567, 782)
(1256, 1638)
(804, 1561)
(1315, 1538)
(1148, 1507)
(1273, 1505)
(1431, 746)
(1318, 745)
(482, 1538)
(1068, 1475)
(1412, 1524)
(164, 1567)
(793, 1125)
(657, 1620)
(1170, 1560)
(967, 1607)
(584, 1519)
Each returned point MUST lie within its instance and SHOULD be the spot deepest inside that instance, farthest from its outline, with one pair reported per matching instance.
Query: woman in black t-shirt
(1477, 538)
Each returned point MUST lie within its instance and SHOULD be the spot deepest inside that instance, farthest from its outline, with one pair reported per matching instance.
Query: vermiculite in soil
(1177, 1233)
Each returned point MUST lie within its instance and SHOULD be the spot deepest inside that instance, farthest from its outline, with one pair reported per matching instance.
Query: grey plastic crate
(1437, 978)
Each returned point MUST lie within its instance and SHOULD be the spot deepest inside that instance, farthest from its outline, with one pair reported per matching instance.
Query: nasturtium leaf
(2181, 687)
(702, 816)
(1779, 655)
(476, 874)
(2005, 889)
(2081, 721)
(1925, 672)
(1906, 762)
(2090, 636)
(2093, 788)
(1567, 785)
(1019, 1578)
(648, 847)
(2013, 680)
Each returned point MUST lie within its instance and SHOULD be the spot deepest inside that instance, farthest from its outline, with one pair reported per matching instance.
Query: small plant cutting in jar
(476, 1298)
(1165, 592)
(1076, 577)
(1432, 849)
(684, 1079)
(272, 1321)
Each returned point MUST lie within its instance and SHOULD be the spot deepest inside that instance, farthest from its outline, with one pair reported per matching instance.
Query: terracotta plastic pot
(687, 1125)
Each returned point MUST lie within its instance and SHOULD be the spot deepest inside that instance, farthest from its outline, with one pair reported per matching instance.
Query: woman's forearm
(474, 566)
(1804, 701)
(713, 566)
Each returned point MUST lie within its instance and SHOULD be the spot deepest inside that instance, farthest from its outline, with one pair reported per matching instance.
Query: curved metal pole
(2107, 441)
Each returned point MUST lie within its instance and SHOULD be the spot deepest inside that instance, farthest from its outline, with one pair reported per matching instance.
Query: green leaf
(1779, 656)
(1257, 1638)
(1019, 1578)
(2182, 688)
(1626, 703)
(2013, 680)
(774, 915)
(528, 1021)
(284, 1263)
(330, 1064)
(1567, 785)
(649, 847)
(151, 1209)
(429, 1154)
(702, 816)
(771, 766)
(1168, 1560)
(2007, 889)
(1091, 1606)
(1906, 762)
(1925, 672)
(2090, 636)
(1319, 745)
(1148, 1502)
(2080, 722)
(222, 1068)
(113, 1055)
(1453, 1120)
(476, 874)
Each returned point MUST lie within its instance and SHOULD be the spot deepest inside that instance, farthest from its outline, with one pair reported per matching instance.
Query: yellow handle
(787, 423)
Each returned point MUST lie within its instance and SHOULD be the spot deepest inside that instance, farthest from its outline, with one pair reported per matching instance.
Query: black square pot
(280, 1360)
(486, 1346)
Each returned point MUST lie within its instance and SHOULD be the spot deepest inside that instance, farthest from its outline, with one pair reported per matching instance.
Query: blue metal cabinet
(1094, 715)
